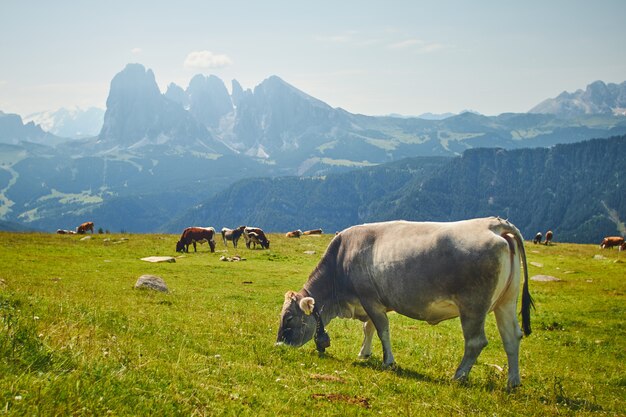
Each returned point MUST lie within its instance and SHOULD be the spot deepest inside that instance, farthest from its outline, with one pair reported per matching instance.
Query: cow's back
(409, 266)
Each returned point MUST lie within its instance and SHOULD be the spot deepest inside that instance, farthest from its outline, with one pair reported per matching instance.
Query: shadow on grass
(399, 371)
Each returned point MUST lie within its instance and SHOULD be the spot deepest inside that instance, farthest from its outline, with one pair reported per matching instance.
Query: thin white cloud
(199, 60)
(406, 44)
(417, 45)
(135, 51)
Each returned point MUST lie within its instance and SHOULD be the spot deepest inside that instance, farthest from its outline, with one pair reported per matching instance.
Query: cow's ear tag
(307, 304)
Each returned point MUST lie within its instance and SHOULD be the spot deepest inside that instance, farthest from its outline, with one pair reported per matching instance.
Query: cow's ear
(291, 295)
(307, 304)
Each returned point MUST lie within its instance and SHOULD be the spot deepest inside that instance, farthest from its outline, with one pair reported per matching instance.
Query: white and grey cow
(424, 270)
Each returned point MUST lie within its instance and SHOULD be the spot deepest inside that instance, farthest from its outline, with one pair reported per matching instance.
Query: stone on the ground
(159, 259)
(151, 282)
(545, 278)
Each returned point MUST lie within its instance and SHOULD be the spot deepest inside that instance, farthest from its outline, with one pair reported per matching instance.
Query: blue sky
(406, 57)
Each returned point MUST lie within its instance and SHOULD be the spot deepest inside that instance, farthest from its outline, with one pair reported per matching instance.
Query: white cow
(427, 271)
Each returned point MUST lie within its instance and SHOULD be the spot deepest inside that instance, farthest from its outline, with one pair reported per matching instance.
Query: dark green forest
(576, 190)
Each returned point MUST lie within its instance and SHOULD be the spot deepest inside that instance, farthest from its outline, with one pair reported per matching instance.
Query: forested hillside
(332, 202)
(576, 190)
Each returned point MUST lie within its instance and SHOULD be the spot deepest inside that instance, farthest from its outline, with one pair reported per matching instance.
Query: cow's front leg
(378, 316)
(368, 335)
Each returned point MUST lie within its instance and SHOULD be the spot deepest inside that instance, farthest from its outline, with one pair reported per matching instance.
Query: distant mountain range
(575, 190)
(597, 98)
(73, 123)
(157, 154)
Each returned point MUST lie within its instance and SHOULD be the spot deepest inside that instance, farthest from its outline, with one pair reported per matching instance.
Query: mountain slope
(287, 203)
(576, 190)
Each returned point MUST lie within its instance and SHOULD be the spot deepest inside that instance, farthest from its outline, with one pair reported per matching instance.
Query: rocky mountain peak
(209, 100)
(597, 98)
(138, 114)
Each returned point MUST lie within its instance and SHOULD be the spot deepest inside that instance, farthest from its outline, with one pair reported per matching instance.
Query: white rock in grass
(159, 259)
(545, 278)
(151, 282)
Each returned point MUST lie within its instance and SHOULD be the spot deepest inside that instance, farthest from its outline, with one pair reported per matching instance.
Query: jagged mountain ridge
(597, 98)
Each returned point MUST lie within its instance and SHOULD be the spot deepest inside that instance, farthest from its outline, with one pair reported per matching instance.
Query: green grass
(77, 339)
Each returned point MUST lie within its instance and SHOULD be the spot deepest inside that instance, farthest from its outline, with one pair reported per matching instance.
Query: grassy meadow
(77, 339)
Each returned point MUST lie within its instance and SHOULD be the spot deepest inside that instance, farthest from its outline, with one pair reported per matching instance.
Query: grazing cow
(427, 271)
(82, 229)
(264, 241)
(65, 232)
(622, 246)
(253, 238)
(295, 233)
(312, 232)
(193, 235)
(537, 238)
(232, 235)
(610, 241)
(549, 236)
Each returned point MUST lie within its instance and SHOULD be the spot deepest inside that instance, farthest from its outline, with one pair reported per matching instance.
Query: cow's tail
(527, 301)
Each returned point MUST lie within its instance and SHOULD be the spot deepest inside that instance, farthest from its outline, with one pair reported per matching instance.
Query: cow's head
(297, 324)
(180, 246)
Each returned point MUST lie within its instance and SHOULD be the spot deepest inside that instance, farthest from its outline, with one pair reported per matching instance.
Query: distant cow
(312, 232)
(548, 237)
(65, 232)
(232, 234)
(193, 235)
(294, 233)
(263, 240)
(253, 239)
(538, 238)
(622, 246)
(82, 229)
(423, 270)
(610, 241)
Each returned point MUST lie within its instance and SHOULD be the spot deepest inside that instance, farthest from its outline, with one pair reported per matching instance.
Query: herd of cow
(428, 271)
(192, 235)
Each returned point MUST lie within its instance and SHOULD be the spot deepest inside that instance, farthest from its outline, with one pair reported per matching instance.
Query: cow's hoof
(513, 383)
(364, 356)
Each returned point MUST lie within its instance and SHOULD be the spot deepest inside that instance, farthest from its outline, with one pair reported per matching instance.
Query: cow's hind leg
(368, 335)
(511, 335)
(475, 341)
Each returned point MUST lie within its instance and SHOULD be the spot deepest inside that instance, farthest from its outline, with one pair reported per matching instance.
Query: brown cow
(549, 236)
(263, 240)
(294, 233)
(610, 241)
(191, 235)
(82, 229)
(232, 234)
(312, 232)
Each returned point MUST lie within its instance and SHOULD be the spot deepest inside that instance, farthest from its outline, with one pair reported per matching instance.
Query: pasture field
(77, 339)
